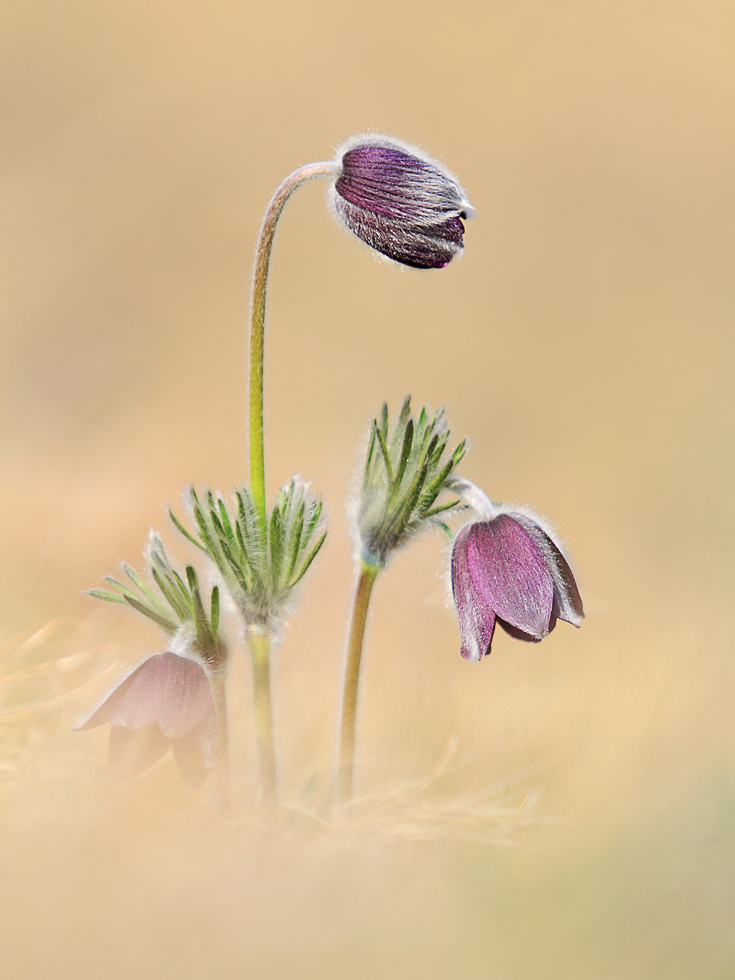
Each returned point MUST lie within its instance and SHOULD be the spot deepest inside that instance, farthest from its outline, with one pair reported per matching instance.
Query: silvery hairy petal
(476, 617)
(400, 202)
(165, 700)
(509, 569)
(567, 600)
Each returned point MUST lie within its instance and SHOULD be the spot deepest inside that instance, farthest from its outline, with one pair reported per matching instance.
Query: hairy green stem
(223, 741)
(259, 643)
(345, 772)
(257, 321)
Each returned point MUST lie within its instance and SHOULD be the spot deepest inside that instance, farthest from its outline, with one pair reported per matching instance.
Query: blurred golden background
(583, 824)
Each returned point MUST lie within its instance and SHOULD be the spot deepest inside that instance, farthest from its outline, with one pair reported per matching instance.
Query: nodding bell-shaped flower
(166, 700)
(507, 568)
(399, 201)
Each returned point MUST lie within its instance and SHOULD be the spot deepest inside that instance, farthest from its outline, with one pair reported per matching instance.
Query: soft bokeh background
(582, 825)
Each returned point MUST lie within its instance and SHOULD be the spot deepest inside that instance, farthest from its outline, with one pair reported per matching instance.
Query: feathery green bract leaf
(163, 621)
(386, 454)
(370, 451)
(191, 578)
(173, 602)
(405, 471)
(260, 564)
(180, 527)
(119, 586)
(308, 560)
(214, 610)
(297, 530)
(276, 542)
(169, 595)
(106, 596)
(139, 583)
(404, 415)
(405, 453)
(442, 507)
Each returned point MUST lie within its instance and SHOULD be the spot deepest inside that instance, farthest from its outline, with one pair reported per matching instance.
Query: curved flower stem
(345, 773)
(257, 320)
(223, 741)
(260, 643)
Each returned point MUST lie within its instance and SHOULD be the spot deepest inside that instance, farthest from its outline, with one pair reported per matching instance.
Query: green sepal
(402, 481)
(214, 610)
(308, 560)
(442, 507)
(171, 602)
(180, 527)
(260, 563)
(167, 624)
(386, 455)
(104, 595)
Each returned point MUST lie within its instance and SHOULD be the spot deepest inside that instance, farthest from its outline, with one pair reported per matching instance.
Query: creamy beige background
(583, 343)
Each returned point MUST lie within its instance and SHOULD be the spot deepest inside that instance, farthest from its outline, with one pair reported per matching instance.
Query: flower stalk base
(224, 798)
(259, 644)
(345, 773)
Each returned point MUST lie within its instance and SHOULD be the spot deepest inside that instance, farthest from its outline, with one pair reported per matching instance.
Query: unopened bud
(399, 201)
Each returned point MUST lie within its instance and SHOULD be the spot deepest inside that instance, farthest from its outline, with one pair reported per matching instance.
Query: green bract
(260, 563)
(177, 601)
(405, 471)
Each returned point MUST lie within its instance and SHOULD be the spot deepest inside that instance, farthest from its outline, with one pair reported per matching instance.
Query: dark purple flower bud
(510, 570)
(399, 201)
(166, 700)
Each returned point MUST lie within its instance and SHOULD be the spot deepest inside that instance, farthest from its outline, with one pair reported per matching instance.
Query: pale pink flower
(166, 700)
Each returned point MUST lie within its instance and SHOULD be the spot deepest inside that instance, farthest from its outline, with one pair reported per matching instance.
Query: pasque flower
(399, 201)
(508, 569)
(166, 700)
(405, 471)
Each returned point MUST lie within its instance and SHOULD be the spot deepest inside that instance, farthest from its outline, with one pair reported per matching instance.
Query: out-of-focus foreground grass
(560, 810)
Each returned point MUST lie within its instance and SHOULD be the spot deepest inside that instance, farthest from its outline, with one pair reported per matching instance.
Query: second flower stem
(259, 643)
(223, 742)
(257, 323)
(345, 773)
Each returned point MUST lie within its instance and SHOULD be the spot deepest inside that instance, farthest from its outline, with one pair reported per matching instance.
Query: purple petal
(403, 206)
(567, 600)
(510, 574)
(132, 752)
(387, 180)
(526, 637)
(418, 246)
(476, 617)
(180, 694)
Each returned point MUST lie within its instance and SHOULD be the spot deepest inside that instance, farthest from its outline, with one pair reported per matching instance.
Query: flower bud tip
(399, 201)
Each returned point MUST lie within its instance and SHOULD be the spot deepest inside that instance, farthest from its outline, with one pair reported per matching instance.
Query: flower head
(166, 700)
(405, 470)
(508, 569)
(399, 201)
(261, 564)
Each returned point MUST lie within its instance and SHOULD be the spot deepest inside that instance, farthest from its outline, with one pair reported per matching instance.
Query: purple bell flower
(399, 201)
(166, 700)
(508, 569)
